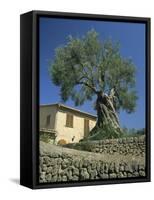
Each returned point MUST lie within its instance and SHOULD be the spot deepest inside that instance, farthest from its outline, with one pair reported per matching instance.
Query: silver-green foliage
(87, 65)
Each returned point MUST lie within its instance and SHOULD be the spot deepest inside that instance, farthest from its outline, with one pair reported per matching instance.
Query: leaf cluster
(87, 65)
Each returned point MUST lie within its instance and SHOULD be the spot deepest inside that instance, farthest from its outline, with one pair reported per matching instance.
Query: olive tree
(87, 67)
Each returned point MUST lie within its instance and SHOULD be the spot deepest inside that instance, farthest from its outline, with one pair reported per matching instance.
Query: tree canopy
(85, 66)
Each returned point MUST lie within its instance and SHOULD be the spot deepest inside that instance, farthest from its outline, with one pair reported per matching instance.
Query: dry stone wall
(61, 164)
(124, 146)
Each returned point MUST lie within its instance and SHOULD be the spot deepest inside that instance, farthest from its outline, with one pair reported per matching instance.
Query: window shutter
(69, 120)
(48, 120)
(86, 127)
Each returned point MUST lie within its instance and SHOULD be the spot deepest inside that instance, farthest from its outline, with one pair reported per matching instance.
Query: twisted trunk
(106, 112)
(107, 118)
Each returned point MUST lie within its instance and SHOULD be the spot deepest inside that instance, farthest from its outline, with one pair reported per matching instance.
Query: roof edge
(70, 108)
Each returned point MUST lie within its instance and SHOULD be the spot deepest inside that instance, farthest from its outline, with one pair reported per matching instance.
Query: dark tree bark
(107, 117)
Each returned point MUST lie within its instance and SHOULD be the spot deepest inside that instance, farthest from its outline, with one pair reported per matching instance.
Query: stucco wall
(58, 164)
(44, 112)
(68, 133)
(92, 124)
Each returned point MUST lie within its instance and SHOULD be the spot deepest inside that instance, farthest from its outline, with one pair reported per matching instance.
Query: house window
(86, 127)
(69, 120)
(48, 120)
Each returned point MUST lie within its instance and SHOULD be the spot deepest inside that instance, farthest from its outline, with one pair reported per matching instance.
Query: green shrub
(46, 137)
(106, 132)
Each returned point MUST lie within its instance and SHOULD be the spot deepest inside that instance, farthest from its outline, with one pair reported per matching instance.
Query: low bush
(62, 142)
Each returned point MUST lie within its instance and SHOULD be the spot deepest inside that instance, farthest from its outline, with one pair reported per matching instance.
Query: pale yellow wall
(58, 123)
(44, 112)
(91, 124)
(67, 133)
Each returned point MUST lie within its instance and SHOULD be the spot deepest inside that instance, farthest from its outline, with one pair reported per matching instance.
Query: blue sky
(54, 32)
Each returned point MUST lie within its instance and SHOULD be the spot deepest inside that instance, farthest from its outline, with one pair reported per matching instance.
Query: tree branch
(86, 74)
(86, 84)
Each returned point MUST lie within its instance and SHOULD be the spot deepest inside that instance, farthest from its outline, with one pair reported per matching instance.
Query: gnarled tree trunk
(107, 118)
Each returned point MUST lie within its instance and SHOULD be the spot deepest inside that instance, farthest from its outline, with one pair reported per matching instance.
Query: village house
(64, 124)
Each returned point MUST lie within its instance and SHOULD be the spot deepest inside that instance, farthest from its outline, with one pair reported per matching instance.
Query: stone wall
(61, 164)
(124, 146)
